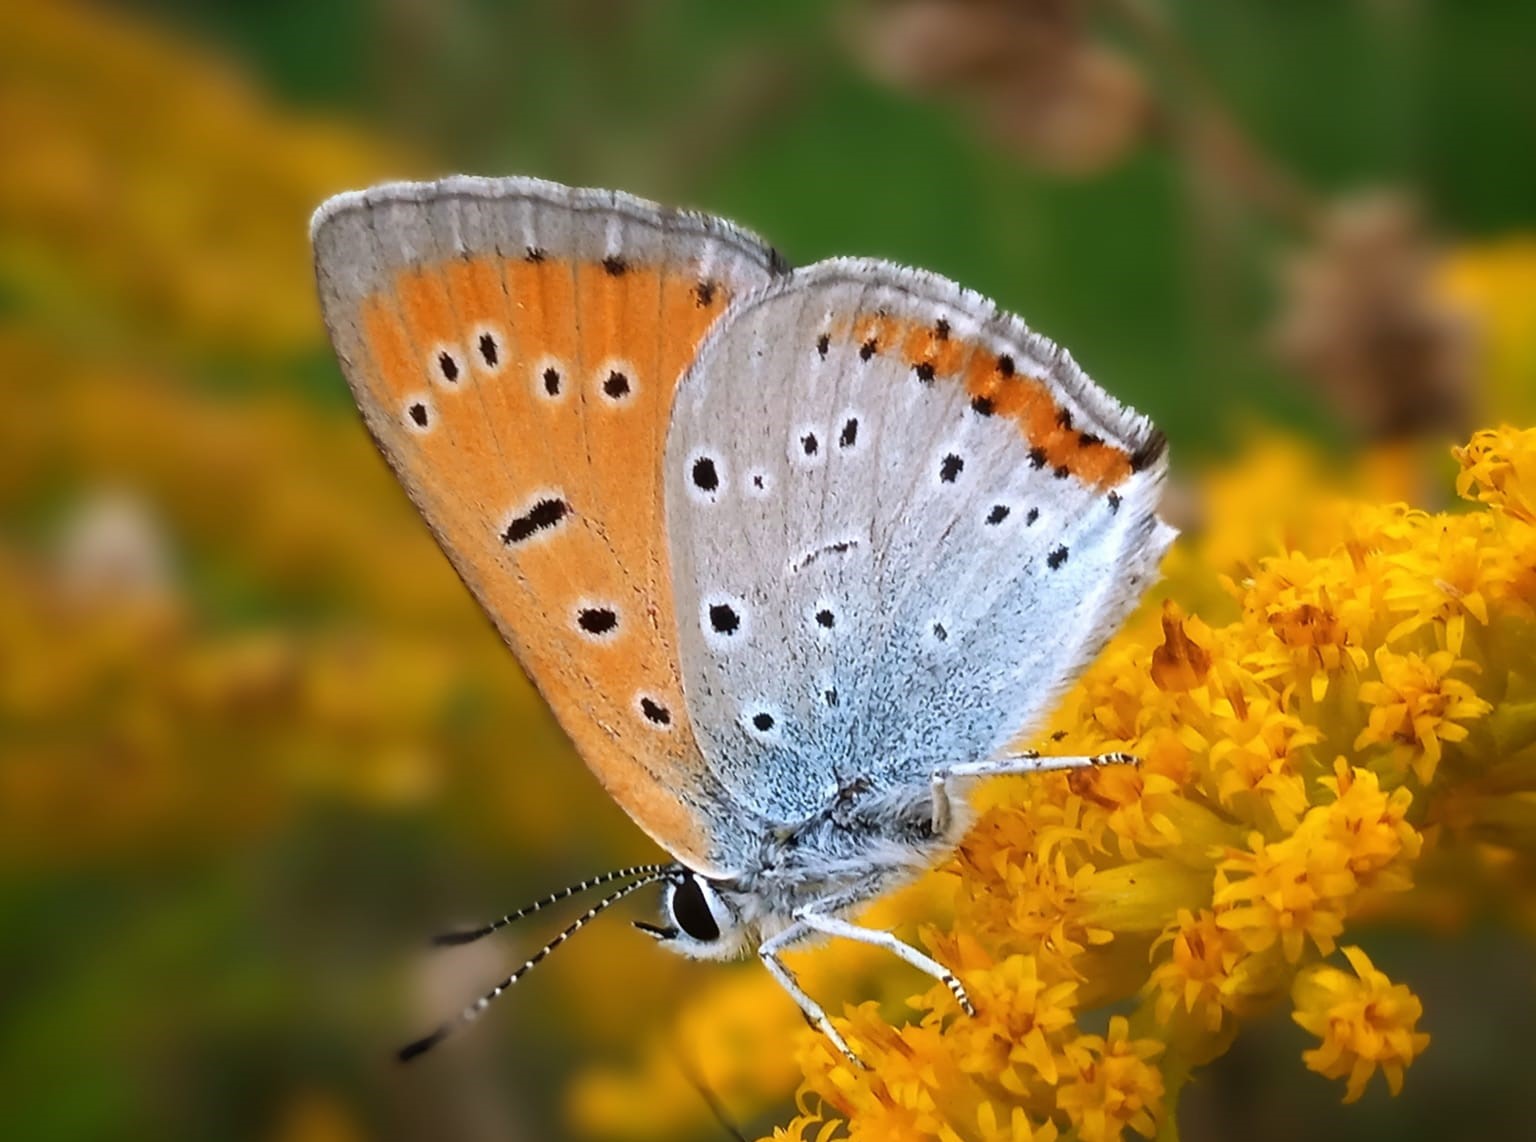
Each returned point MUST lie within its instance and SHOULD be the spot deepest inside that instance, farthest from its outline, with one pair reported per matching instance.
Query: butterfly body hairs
(795, 556)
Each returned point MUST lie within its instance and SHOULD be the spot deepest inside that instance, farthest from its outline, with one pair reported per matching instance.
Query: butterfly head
(701, 918)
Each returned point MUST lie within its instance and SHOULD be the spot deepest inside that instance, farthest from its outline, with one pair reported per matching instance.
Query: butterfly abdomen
(855, 849)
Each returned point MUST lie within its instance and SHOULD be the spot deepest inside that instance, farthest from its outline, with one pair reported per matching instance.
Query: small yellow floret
(1112, 1085)
(1364, 1020)
(1417, 706)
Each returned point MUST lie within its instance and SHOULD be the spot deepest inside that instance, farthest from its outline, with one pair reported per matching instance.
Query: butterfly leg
(832, 926)
(768, 952)
(1028, 761)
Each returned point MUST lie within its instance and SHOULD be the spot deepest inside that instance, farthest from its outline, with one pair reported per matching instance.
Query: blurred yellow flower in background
(157, 189)
(1494, 284)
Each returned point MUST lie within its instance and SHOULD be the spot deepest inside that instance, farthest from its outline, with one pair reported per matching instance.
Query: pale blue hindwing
(949, 636)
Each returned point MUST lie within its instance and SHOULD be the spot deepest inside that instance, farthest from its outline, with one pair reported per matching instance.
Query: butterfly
(795, 556)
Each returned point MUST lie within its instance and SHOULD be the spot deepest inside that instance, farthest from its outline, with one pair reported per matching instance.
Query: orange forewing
(570, 403)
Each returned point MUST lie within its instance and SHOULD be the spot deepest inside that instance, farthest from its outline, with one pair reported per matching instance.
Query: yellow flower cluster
(1293, 757)
(1362, 696)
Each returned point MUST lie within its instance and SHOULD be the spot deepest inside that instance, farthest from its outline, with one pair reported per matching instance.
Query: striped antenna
(472, 1012)
(451, 939)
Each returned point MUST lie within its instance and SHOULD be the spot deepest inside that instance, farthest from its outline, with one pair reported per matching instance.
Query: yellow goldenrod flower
(1364, 1020)
(1370, 827)
(1321, 619)
(808, 1126)
(1207, 972)
(1012, 1045)
(1498, 468)
(1259, 758)
(917, 1091)
(1112, 1084)
(1444, 579)
(1011, 1125)
(1417, 706)
(1287, 892)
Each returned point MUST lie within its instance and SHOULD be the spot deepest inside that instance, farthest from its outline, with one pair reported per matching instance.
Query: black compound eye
(691, 911)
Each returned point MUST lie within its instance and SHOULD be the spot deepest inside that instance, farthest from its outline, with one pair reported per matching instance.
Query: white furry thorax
(859, 847)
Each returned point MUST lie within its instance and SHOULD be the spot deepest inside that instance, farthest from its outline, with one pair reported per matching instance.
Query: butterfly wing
(901, 524)
(514, 347)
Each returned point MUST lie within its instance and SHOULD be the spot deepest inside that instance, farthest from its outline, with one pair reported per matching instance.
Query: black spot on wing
(540, 517)
(724, 619)
(597, 620)
(705, 477)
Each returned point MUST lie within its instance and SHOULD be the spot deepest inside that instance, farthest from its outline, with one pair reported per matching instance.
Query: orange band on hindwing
(938, 354)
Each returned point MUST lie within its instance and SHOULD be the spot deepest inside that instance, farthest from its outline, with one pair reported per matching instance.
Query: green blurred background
(255, 741)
